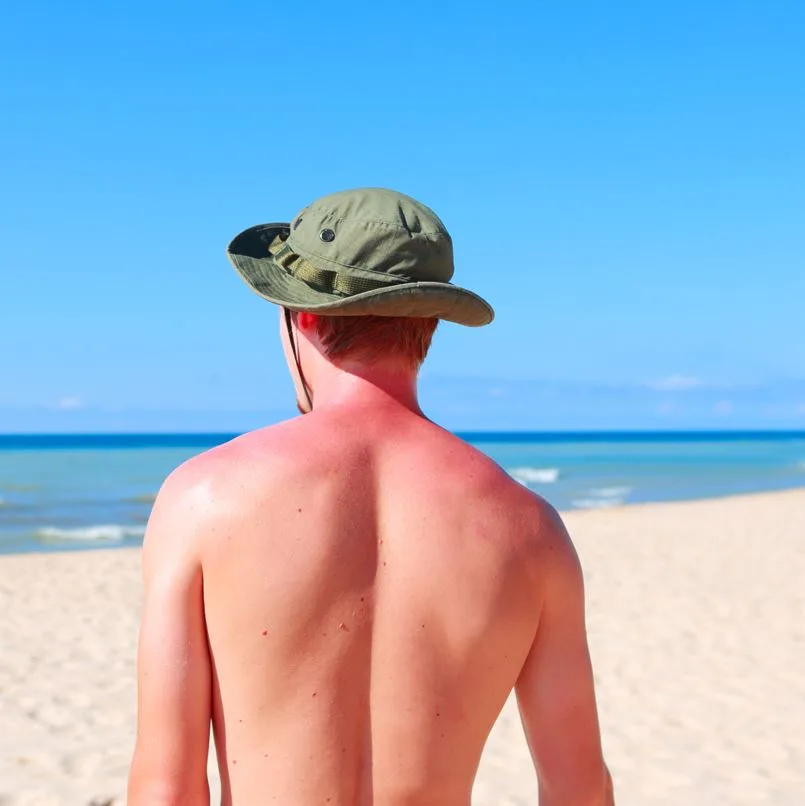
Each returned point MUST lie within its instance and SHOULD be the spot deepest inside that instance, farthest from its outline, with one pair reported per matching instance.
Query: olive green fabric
(359, 252)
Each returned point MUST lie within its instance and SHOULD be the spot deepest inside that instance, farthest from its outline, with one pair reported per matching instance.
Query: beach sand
(696, 617)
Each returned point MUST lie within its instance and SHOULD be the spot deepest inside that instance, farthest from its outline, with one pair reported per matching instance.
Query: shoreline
(696, 629)
(76, 547)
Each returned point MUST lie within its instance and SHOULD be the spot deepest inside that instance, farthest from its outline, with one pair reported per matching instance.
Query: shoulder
(210, 477)
(527, 511)
(542, 536)
(209, 490)
(527, 516)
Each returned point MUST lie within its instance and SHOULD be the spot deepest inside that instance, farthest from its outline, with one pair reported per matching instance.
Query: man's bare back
(349, 597)
(386, 602)
(372, 589)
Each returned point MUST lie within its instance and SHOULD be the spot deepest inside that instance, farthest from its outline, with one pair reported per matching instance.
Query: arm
(555, 689)
(169, 767)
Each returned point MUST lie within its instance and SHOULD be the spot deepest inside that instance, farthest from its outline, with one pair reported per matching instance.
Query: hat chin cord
(296, 359)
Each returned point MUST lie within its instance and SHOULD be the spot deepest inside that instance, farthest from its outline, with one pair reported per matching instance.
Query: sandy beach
(696, 617)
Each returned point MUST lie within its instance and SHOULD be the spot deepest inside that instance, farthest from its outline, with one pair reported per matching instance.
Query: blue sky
(624, 182)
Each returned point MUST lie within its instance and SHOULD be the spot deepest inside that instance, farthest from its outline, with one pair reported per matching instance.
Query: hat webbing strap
(329, 282)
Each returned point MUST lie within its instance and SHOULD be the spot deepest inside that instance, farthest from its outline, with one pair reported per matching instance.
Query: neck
(359, 384)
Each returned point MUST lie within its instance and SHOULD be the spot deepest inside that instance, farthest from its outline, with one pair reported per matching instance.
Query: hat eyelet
(327, 235)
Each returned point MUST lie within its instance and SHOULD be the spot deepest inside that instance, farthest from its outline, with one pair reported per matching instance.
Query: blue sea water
(68, 492)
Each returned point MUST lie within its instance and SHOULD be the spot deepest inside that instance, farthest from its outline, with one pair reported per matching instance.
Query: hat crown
(374, 230)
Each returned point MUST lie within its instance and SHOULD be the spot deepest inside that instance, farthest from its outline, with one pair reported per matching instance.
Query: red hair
(375, 339)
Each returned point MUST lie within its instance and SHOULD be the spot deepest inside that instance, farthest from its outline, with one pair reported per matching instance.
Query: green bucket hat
(358, 253)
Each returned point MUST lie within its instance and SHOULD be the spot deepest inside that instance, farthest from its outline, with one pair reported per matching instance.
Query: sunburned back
(369, 605)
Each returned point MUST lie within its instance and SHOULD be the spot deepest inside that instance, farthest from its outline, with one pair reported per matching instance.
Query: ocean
(73, 492)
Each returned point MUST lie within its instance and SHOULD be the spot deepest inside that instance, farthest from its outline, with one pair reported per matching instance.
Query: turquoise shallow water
(60, 493)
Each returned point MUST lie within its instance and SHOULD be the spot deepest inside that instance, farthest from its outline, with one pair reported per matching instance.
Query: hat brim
(248, 253)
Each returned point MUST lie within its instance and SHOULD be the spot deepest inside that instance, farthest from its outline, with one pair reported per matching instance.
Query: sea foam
(535, 475)
(110, 533)
(596, 503)
(603, 498)
(612, 492)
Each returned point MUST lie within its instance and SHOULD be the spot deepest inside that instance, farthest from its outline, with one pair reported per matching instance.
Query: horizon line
(192, 438)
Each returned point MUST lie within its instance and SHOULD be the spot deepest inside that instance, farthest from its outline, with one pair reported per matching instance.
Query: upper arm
(173, 663)
(555, 689)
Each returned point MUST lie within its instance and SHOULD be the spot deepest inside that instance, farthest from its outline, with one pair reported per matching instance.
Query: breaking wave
(596, 503)
(108, 533)
(611, 492)
(603, 498)
(535, 475)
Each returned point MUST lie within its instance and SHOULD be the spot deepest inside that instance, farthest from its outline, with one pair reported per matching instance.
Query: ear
(306, 322)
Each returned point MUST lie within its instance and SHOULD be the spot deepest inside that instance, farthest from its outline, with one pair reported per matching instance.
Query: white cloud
(675, 383)
(800, 410)
(70, 403)
(666, 408)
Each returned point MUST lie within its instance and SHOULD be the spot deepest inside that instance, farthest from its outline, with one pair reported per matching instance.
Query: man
(350, 596)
